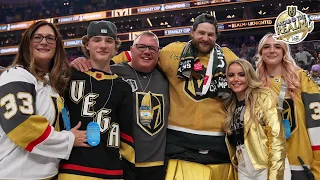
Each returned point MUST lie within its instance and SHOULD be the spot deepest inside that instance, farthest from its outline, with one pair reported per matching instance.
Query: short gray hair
(146, 33)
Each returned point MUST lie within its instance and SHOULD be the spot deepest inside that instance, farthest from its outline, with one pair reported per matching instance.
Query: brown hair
(85, 40)
(59, 67)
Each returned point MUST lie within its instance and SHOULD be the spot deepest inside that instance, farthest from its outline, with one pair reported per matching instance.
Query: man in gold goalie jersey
(197, 84)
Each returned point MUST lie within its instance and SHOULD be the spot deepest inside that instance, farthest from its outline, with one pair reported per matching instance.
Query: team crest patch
(150, 112)
(289, 114)
(192, 86)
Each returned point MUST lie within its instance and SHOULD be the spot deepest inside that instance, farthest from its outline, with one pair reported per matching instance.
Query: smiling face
(43, 46)
(204, 37)
(272, 52)
(237, 80)
(145, 53)
(101, 48)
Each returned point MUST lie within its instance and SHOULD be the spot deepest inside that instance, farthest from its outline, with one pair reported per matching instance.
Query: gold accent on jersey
(150, 164)
(157, 106)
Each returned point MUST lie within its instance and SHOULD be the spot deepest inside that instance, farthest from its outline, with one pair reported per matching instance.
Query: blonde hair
(85, 40)
(251, 94)
(289, 67)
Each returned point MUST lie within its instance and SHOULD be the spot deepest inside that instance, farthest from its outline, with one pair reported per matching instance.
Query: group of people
(192, 110)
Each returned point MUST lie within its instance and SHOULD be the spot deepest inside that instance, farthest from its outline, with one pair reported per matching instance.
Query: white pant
(246, 170)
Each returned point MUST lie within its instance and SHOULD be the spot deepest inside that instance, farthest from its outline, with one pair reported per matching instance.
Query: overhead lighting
(304, 9)
(261, 12)
(149, 22)
(213, 13)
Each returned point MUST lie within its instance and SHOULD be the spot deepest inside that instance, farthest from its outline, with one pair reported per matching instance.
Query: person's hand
(81, 64)
(80, 136)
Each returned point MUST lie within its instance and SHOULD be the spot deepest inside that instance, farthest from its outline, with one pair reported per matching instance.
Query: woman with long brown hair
(31, 145)
(298, 102)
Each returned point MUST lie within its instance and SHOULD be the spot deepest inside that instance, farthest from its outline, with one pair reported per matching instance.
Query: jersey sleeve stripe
(128, 55)
(91, 170)
(127, 152)
(40, 139)
(126, 137)
(31, 132)
(315, 148)
(314, 134)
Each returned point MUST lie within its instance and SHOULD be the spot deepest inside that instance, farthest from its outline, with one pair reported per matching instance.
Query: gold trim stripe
(29, 131)
(127, 152)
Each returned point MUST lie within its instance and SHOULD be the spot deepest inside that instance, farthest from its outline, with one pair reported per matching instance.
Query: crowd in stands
(54, 8)
(10, 13)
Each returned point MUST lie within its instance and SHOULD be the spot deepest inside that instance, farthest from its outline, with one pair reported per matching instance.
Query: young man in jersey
(151, 104)
(100, 98)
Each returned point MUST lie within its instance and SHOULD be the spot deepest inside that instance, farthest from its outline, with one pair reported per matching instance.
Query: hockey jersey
(303, 114)
(88, 100)
(124, 56)
(30, 144)
(195, 121)
(151, 137)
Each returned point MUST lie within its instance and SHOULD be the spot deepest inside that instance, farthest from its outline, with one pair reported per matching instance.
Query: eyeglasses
(49, 38)
(142, 48)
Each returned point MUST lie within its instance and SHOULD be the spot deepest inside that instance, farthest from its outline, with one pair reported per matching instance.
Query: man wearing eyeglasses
(151, 104)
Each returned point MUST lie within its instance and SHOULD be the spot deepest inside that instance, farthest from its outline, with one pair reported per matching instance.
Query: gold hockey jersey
(195, 121)
(304, 116)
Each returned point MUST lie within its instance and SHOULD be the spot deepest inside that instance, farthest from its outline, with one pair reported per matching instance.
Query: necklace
(94, 128)
(110, 92)
(143, 90)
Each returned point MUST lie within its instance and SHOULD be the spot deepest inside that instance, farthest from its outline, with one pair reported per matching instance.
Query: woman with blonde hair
(255, 137)
(298, 102)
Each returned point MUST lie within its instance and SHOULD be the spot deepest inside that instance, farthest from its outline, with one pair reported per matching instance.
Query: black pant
(150, 173)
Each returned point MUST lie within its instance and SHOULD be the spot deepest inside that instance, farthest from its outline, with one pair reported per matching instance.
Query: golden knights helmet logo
(292, 10)
(192, 86)
(150, 112)
(289, 114)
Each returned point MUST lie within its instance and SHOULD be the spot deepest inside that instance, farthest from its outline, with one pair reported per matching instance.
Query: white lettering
(148, 9)
(174, 6)
(88, 103)
(114, 139)
(177, 31)
(8, 50)
(72, 43)
(222, 84)
(103, 120)
(20, 25)
(76, 91)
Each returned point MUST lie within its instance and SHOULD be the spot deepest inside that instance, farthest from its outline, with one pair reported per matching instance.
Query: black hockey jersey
(150, 91)
(87, 101)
